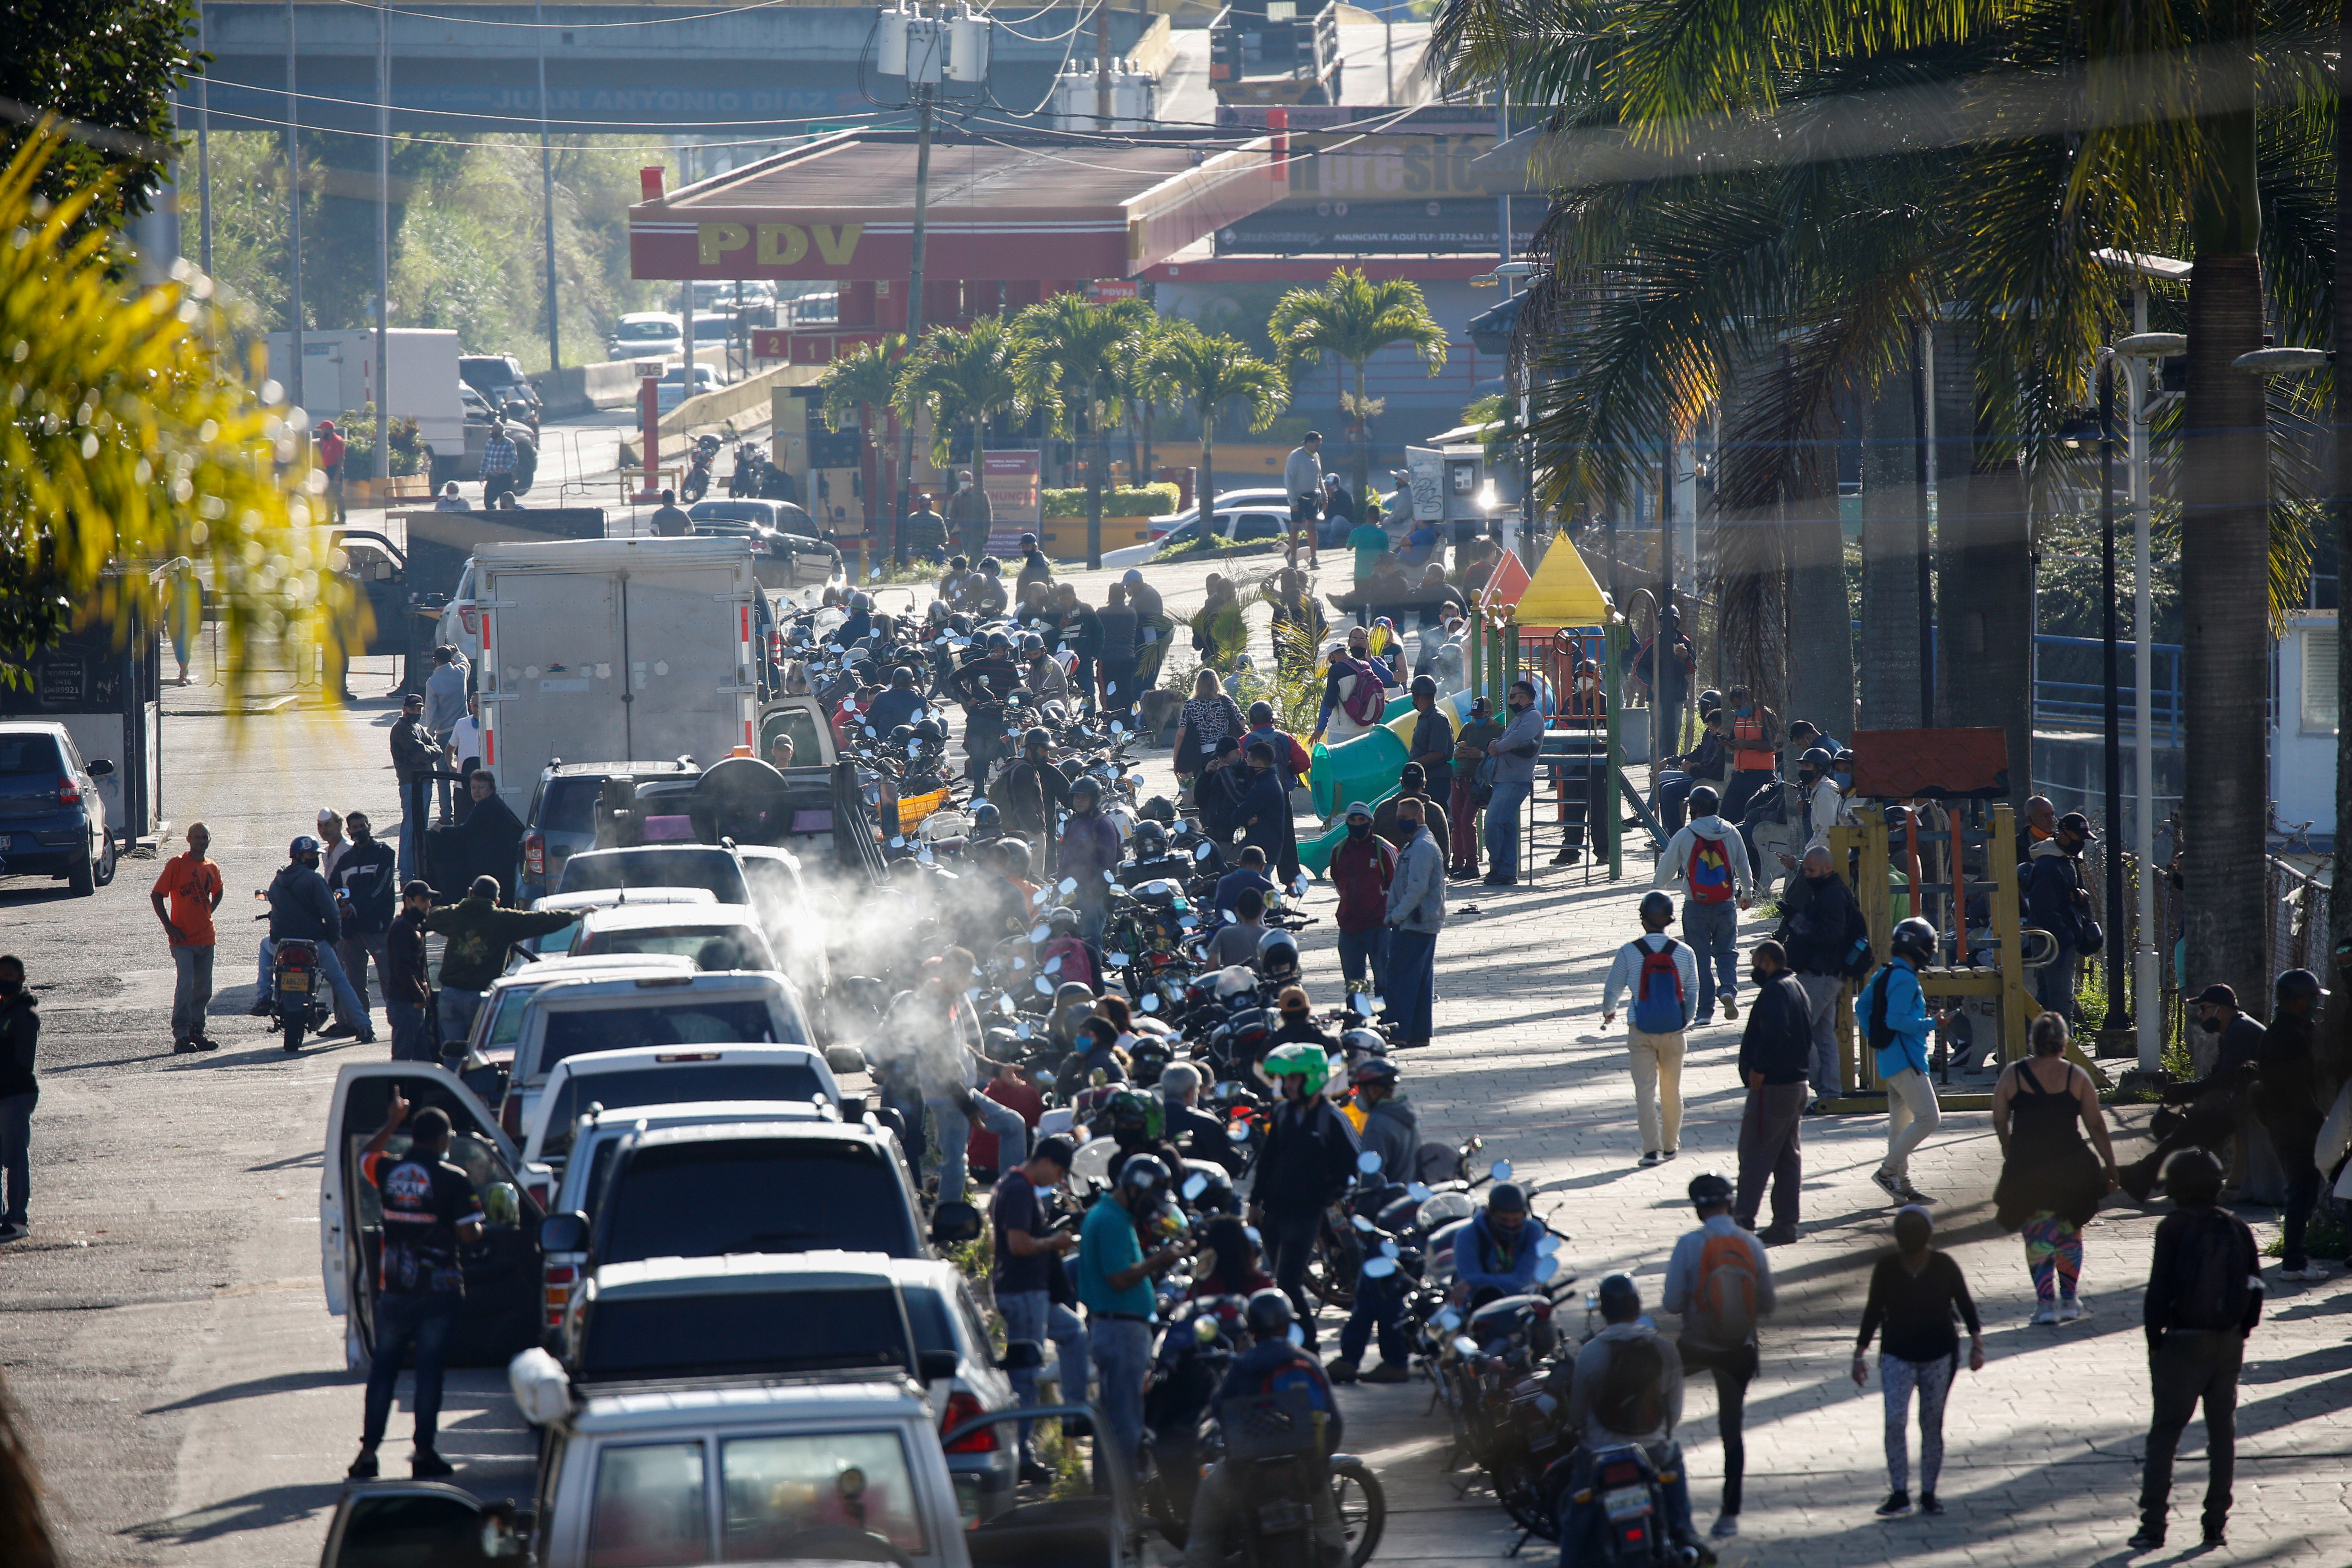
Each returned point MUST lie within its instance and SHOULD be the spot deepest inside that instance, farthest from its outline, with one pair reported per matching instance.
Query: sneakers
(1930, 1505)
(1912, 1194)
(1896, 1505)
(2215, 1536)
(205, 1042)
(1777, 1235)
(2071, 1308)
(1500, 881)
(1340, 1369)
(336, 1031)
(424, 1465)
(1649, 1157)
(13, 1232)
(1671, 1154)
(1034, 1473)
(181, 1047)
(1388, 1371)
(2308, 1271)
(2149, 1538)
(363, 1468)
(2046, 1313)
(1730, 1013)
(1726, 1528)
(1887, 1183)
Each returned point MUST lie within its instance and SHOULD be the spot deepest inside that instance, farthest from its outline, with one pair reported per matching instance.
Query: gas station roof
(1000, 207)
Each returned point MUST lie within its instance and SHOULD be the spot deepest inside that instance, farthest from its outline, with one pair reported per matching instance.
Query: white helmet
(1236, 980)
(1277, 956)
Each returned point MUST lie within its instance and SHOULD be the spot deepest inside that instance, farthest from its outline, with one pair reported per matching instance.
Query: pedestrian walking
(1472, 786)
(1661, 976)
(414, 761)
(193, 886)
(329, 449)
(1416, 913)
(2051, 1183)
(1707, 859)
(444, 704)
(476, 935)
(1914, 1292)
(407, 984)
(1824, 933)
(1114, 1283)
(362, 883)
(1892, 1011)
(1720, 1281)
(1775, 1054)
(430, 1208)
(2204, 1299)
(498, 458)
(1362, 868)
(1030, 1284)
(184, 612)
(2057, 901)
(2288, 1104)
(1514, 753)
(20, 1091)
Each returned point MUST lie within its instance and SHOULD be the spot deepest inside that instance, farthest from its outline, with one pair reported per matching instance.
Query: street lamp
(1510, 269)
(2134, 353)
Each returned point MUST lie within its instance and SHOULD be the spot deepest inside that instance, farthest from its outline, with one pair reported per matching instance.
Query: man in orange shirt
(193, 885)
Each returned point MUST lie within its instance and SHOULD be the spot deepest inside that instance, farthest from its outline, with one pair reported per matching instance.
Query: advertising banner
(1010, 477)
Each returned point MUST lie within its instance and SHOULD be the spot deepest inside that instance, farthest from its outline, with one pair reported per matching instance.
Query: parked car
(499, 378)
(558, 943)
(716, 936)
(672, 390)
(647, 335)
(52, 820)
(710, 866)
(663, 1075)
(1238, 526)
(488, 1049)
(561, 817)
(791, 553)
(1227, 501)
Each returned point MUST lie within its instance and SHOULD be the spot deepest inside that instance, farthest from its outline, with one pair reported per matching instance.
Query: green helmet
(1298, 1056)
(1132, 1110)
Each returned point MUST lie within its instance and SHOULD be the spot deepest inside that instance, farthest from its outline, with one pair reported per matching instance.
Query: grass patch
(2327, 1237)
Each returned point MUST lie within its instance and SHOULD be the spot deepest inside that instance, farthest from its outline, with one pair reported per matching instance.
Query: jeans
(1739, 789)
(1121, 1348)
(1821, 994)
(192, 993)
(1082, 683)
(2294, 1145)
(1035, 1316)
(1411, 981)
(2053, 984)
(1290, 1248)
(1713, 931)
(955, 1137)
(409, 1042)
(1380, 1304)
(1911, 1115)
(355, 950)
(1734, 1370)
(414, 794)
(457, 1007)
(16, 1154)
(1657, 1066)
(347, 1001)
(422, 1319)
(1670, 800)
(1581, 1521)
(1118, 685)
(1503, 829)
(1360, 953)
(1771, 1146)
(2191, 1365)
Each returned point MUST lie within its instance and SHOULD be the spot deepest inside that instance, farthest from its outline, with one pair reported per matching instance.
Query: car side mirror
(953, 1223)
(845, 1061)
(564, 1233)
(100, 768)
(935, 1366)
(1021, 1356)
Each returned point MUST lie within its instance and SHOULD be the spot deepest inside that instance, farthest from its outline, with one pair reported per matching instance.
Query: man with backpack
(1355, 692)
(1775, 1054)
(1827, 941)
(2057, 900)
(1628, 1389)
(1661, 975)
(1711, 863)
(1892, 1014)
(2204, 1298)
(1721, 1283)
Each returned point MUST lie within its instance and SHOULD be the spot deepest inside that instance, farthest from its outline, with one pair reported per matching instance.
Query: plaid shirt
(498, 456)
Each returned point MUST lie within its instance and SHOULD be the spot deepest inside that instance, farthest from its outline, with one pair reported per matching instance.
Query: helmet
(1054, 713)
(1160, 809)
(1710, 1187)
(1377, 1069)
(305, 845)
(1913, 938)
(1818, 759)
(931, 729)
(1144, 1173)
(1301, 1057)
(1657, 907)
(1032, 645)
(2297, 983)
(1361, 1043)
(1130, 1111)
(1235, 982)
(1704, 801)
(1269, 1316)
(1037, 735)
(1013, 857)
(1422, 686)
(1151, 840)
(1277, 955)
(1061, 921)
(986, 818)
(1085, 784)
(860, 602)
(901, 733)
(999, 643)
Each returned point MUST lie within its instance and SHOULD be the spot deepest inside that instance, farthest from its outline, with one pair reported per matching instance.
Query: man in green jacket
(477, 934)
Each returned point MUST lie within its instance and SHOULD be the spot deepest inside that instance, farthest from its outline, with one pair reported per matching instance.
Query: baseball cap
(2220, 995)
(2074, 822)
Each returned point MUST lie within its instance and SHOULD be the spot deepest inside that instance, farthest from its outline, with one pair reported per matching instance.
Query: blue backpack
(1658, 1006)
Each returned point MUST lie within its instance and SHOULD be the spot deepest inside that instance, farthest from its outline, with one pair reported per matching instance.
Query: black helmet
(998, 642)
(1424, 686)
(1710, 1187)
(1913, 938)
(1035, 736)
(1818, 759)
(986, 818)
(931, 729)
(1013, 857)
(1373, 1069)
(1085, 784)
(1144, 1173)
(1151, 840)
(1704, 801)
(1032, 645)
(1160, 809)
(1268, 1314)
(1709, 700)
(1657, 906)
(901, 733)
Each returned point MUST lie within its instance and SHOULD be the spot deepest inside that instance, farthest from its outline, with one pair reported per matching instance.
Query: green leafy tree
(107, 66)
(962, 376)
(1354, 317)
(1191, 366)
(1078, 358)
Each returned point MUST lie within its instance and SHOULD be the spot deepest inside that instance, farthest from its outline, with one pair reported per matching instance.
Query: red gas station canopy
(1000, 209)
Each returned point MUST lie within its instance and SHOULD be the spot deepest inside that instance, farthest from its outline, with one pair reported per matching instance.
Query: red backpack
(1367, 700)
(1709, 871)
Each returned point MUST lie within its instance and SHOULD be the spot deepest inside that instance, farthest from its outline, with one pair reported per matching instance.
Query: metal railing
(2082, 704)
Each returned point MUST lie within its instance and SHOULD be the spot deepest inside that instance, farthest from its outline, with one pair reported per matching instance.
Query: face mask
(1359, 829)
(2210, 1026)
(1845, 781)
(10, 987)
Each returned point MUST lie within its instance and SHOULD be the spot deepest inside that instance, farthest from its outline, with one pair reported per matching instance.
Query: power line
(529, 122)
(277, 123)
(569, 26)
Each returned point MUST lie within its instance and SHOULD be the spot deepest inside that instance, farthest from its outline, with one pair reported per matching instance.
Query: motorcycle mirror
(897, 841)
(1151, 1003)
(1004, 1006)
(1051, 966)
(872, 730)
(1369, 1162)
(1019, 964)
(1040, 931)
(1449, 1320)
(1464, 1345)
(1204, 1328)
(1118, 888)
(1377, 1268)
(925, 856)
(1201, 851)
(1188, 924)
(1118, 960)
(1195, 1185)
(1546, 1244)
(1183, 827)
(1039, 896)
(1229, 917)
(1360, 1222)
(914, 748)
(1546, 1267)
(1388, 1248)
(1419, 1192)
(1500, 1170)
(1238, 1133)
(1069, 884)
(1117, 728)
(1360, 1002)
(1022, 1033)
(1044, 986)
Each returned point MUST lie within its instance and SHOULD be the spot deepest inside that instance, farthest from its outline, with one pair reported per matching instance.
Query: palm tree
(960, 377)
(1078, 355)
(1355, 317)
(859, 382)
(1189, 365)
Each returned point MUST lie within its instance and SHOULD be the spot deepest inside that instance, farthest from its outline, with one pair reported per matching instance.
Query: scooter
(299, 1002)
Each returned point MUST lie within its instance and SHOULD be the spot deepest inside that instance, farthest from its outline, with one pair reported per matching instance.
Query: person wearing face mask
(20, 1091)
(1361, 869)
(2058, 903)
(1515, 779)
(1470, 790)
(1710, 759)
(301, 906)
(1411, 784)
(1263, 810)
(1755, 737)
(1309, 1158)
(1416, 913)
(1089, 853)
(1432, 747)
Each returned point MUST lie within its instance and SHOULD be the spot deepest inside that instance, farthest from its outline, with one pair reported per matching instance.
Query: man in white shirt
(465, 742)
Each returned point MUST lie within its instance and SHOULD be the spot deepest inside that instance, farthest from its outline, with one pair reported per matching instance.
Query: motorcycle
(299, 1002)
(1624, 1496)
(750, 471)
(698, 473)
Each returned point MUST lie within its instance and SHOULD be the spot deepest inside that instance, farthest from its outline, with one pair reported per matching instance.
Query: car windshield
(728, 511)
(695, 867)
(798, 724)
(646, 329)
(680, 1020)
(30, 753)
(705, 1335)
(705, 1199)
(710, 947)
(672, 1083)
(569, 806)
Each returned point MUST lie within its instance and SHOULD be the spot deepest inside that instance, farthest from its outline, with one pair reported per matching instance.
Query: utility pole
(1102, 66)
(2112, 692)
(294, 393)
(383, 244)
(204, 156)
(923, 93)
(547, 195)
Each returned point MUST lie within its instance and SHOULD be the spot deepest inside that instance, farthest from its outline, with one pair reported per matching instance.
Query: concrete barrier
(752, 393)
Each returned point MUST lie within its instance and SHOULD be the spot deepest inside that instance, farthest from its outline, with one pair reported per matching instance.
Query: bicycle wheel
(1363, 1508)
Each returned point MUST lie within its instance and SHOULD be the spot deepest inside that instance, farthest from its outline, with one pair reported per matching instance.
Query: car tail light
(467, 616)
(963, 1407)
(534, 854)
(510, 1115)
(68, 791)
(687, 1057)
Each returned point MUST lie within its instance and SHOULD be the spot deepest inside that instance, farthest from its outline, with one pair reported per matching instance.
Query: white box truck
(616, 648)
(340, 376)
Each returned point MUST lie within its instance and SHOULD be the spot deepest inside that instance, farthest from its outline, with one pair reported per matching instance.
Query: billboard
(1010, 477)
(1406, 186)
